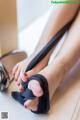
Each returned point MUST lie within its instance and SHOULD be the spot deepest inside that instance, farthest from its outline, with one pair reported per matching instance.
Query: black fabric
(44, 105)
(44, 51)
(22, 97)
(24, 85)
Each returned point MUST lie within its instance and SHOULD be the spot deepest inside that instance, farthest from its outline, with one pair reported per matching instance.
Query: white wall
(30, 10)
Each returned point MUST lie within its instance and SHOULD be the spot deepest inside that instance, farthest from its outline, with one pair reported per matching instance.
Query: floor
(66, 101)
(65, 104)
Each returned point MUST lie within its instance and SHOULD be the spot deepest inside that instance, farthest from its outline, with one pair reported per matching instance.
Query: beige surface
(8, 26)
(10, 60)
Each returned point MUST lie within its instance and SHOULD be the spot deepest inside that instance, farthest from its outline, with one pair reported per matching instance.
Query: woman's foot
(19, 70)
(65, 60)
(54, 74)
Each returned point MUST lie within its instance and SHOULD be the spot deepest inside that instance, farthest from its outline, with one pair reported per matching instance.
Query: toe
(36, 88)
(24, 77)
(17, 74)
(14, 69)
(31, 104)
(17, 83)
(21, 88)
(30, 73)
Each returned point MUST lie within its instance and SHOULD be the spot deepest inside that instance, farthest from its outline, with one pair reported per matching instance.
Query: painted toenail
(25, 106)
(18, 84)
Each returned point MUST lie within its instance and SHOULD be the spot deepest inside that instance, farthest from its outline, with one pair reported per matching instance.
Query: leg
(68, 56)
(50, 30)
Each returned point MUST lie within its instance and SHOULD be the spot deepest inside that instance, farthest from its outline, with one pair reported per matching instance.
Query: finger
(29, 73)
(24, 77)
(15, 69)
(21, 88)
(17, 83)
(19, 80)
(17, 74)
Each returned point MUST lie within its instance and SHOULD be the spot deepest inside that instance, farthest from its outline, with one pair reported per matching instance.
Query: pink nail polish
(18, 84)
(21, 90)
(26, 75)
(25, 106)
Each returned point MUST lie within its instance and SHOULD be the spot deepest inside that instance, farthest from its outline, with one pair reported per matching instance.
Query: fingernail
(25, 73)
(21, 88)
(18, 84)
(24, 78)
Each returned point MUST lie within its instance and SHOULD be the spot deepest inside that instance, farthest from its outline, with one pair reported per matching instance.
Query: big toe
(36, 88)
(31, 104)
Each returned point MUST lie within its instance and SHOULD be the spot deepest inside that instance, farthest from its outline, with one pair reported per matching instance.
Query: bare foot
(19, 70)
(54, 74)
